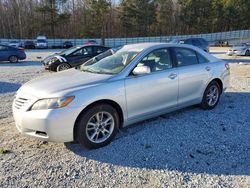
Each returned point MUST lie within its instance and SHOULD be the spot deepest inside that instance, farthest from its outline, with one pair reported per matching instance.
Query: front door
(155, 91)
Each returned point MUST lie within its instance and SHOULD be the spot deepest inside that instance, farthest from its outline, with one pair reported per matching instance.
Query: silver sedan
(137, 82)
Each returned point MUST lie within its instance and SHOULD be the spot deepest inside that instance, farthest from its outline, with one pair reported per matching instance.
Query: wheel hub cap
(100, 127)
(212, 95)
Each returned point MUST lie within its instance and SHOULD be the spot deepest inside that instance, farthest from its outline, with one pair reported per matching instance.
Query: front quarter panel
(109, 90)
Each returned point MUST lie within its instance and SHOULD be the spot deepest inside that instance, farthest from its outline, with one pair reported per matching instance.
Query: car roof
(152, 46)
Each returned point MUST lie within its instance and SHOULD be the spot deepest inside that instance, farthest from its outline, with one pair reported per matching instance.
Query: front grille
(20, 102)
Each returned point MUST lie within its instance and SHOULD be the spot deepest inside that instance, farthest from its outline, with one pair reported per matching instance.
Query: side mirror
(141, 70)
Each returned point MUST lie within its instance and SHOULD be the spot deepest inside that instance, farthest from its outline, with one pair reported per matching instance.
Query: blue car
(11, 54)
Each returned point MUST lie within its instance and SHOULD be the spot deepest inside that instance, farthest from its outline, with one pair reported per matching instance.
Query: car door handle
(208, 68)
(172, 76)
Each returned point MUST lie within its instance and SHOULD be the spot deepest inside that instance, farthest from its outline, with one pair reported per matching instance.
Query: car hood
(61, 82)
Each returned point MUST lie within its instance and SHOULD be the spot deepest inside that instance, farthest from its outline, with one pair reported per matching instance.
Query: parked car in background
(139, 81)
(29, 44)
(41, 42)
(221, 43)
(239, 49)
(15, 43)
(72, 57)
(11, 54)
(67, 44)
(91, 42)
(198, 42)
(99, 57)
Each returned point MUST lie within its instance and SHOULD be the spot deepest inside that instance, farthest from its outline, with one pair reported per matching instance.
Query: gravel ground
(187, 148)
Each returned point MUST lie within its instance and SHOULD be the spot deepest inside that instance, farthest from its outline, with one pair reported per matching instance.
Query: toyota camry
(139, 81)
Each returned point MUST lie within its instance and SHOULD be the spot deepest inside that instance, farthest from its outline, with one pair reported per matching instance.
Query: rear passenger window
(185, 57)
(202, 59)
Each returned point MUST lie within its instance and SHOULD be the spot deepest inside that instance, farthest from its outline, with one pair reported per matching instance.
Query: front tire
(62, 67)
(97, 126)
(13, 59)
(211, 96)
(247, 53)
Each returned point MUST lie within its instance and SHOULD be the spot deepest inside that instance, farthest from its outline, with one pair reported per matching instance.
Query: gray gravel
(187, 148)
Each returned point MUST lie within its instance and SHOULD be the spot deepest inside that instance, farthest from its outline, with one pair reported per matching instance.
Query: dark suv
(198, 42)
(72, 57)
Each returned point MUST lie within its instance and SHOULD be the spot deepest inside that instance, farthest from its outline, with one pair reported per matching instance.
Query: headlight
(52, 103)
(52, 60)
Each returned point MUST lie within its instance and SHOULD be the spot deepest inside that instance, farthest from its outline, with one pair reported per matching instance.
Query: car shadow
(217, 53)
(7, 87)
(21, 63)
(188, 140)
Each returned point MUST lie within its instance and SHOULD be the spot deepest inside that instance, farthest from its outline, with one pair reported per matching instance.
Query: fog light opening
(41, 133)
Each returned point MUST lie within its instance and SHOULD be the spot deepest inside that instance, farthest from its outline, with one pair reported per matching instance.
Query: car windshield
(112, 64)
(41, 41)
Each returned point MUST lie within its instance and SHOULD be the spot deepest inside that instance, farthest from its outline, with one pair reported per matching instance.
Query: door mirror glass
(140, 70)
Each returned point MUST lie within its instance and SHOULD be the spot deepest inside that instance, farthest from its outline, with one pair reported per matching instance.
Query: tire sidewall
(13, 61)
(58, 67)
(80, 133)
(204, 103)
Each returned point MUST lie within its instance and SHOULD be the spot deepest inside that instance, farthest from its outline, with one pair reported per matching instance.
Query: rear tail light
(227, 66)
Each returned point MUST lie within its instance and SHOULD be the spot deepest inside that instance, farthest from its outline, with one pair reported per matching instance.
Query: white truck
(41, 42)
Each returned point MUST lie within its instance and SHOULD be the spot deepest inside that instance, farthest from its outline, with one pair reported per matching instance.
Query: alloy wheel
(100, 127)
(212, 95)
(62, 67)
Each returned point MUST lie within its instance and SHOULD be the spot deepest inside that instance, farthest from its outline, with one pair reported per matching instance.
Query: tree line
(120, 18)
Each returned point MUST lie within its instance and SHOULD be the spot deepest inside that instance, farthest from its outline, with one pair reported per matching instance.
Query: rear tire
(211, 96)
(13, 59)
(247, 53)
(62, 67)
(97, 126)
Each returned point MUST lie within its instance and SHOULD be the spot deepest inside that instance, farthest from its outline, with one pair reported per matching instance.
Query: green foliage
(96, 12)
(4, 151)
(51, 16)
(200, 16)
(137, 17)
(126, 18)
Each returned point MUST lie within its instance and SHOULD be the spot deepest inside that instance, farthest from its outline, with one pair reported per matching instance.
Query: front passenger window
(185, 57)
(157, 60)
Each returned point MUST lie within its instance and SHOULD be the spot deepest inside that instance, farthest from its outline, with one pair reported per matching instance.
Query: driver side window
(83, 51)
(157, 60)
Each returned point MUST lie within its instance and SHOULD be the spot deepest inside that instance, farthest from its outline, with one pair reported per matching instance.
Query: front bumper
(51, 125)
(235, 52)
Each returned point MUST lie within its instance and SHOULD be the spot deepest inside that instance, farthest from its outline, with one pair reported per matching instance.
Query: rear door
(194, 72)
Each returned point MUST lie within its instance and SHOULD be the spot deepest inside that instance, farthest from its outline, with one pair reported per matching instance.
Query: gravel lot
(187, 148)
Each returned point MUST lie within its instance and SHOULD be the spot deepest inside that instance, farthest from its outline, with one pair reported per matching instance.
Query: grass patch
(4, 151)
